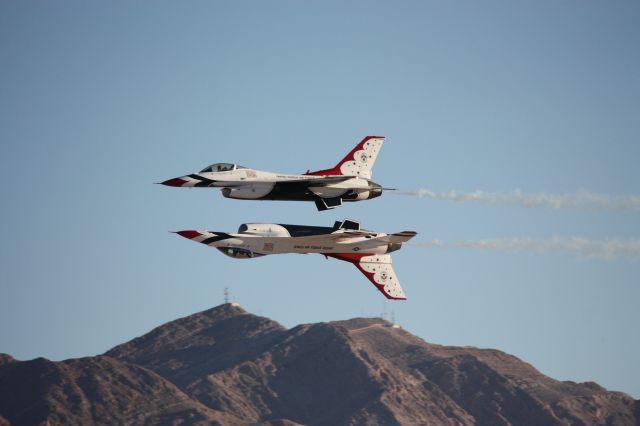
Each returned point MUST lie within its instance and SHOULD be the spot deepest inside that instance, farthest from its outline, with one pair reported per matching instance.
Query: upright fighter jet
(367, 250)
(349, 180)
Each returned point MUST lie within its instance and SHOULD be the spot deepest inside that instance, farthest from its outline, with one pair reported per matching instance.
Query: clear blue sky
(99, 100)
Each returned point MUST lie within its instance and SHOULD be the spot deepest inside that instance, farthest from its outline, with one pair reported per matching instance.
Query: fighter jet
(367, 250)
(349, 180)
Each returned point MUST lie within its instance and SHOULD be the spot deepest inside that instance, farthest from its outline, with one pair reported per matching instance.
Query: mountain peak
(217, 313)
(229, 308)
(6, 359)
(208, 327)
(201, 342)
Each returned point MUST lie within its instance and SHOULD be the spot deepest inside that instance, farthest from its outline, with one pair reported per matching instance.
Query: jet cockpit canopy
(221, 167)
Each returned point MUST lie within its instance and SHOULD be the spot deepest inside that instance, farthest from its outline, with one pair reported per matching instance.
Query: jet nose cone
(174, 182)
(190, 235)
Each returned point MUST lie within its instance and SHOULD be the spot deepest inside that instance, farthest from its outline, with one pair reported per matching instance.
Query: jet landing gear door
(328, 203)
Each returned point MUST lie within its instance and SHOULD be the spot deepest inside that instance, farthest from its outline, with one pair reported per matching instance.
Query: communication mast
(394, 324)
(384, 310)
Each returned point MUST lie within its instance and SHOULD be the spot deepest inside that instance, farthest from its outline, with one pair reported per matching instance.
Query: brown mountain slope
(226, 366)
(96, 390)
(493, 387)
(197, 344)
(360, 371)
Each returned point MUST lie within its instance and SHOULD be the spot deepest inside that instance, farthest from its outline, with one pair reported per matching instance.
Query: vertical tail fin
(359, 161)
(377, 268)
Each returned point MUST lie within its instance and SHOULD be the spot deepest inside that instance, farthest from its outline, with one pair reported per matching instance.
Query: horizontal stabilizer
(314, 181)
(400, 237)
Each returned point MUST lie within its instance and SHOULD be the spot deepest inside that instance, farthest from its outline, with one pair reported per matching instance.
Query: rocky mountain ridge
(226, 366)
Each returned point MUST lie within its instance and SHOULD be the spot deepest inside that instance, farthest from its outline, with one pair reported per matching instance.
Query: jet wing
(400, 237)
(319, 181)
(377, 268)
(335, 237)
(322, 181)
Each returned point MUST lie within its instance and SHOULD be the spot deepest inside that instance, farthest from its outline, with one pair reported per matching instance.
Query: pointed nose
(174, 182)
(189, 234)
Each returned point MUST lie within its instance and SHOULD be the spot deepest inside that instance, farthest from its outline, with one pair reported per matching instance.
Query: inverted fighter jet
(367, 250)
(349, 180)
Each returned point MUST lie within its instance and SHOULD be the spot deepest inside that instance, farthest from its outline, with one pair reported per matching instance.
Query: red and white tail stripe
(377, 268)
(358, 162)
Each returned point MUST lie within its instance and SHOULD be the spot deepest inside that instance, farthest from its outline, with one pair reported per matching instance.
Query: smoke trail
(583, 200)
(579, 247)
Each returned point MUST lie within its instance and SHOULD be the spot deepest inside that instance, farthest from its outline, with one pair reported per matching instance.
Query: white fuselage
(273, 240)
(253, 184)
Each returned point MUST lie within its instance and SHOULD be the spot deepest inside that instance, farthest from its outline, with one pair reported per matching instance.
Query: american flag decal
(268, 247)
